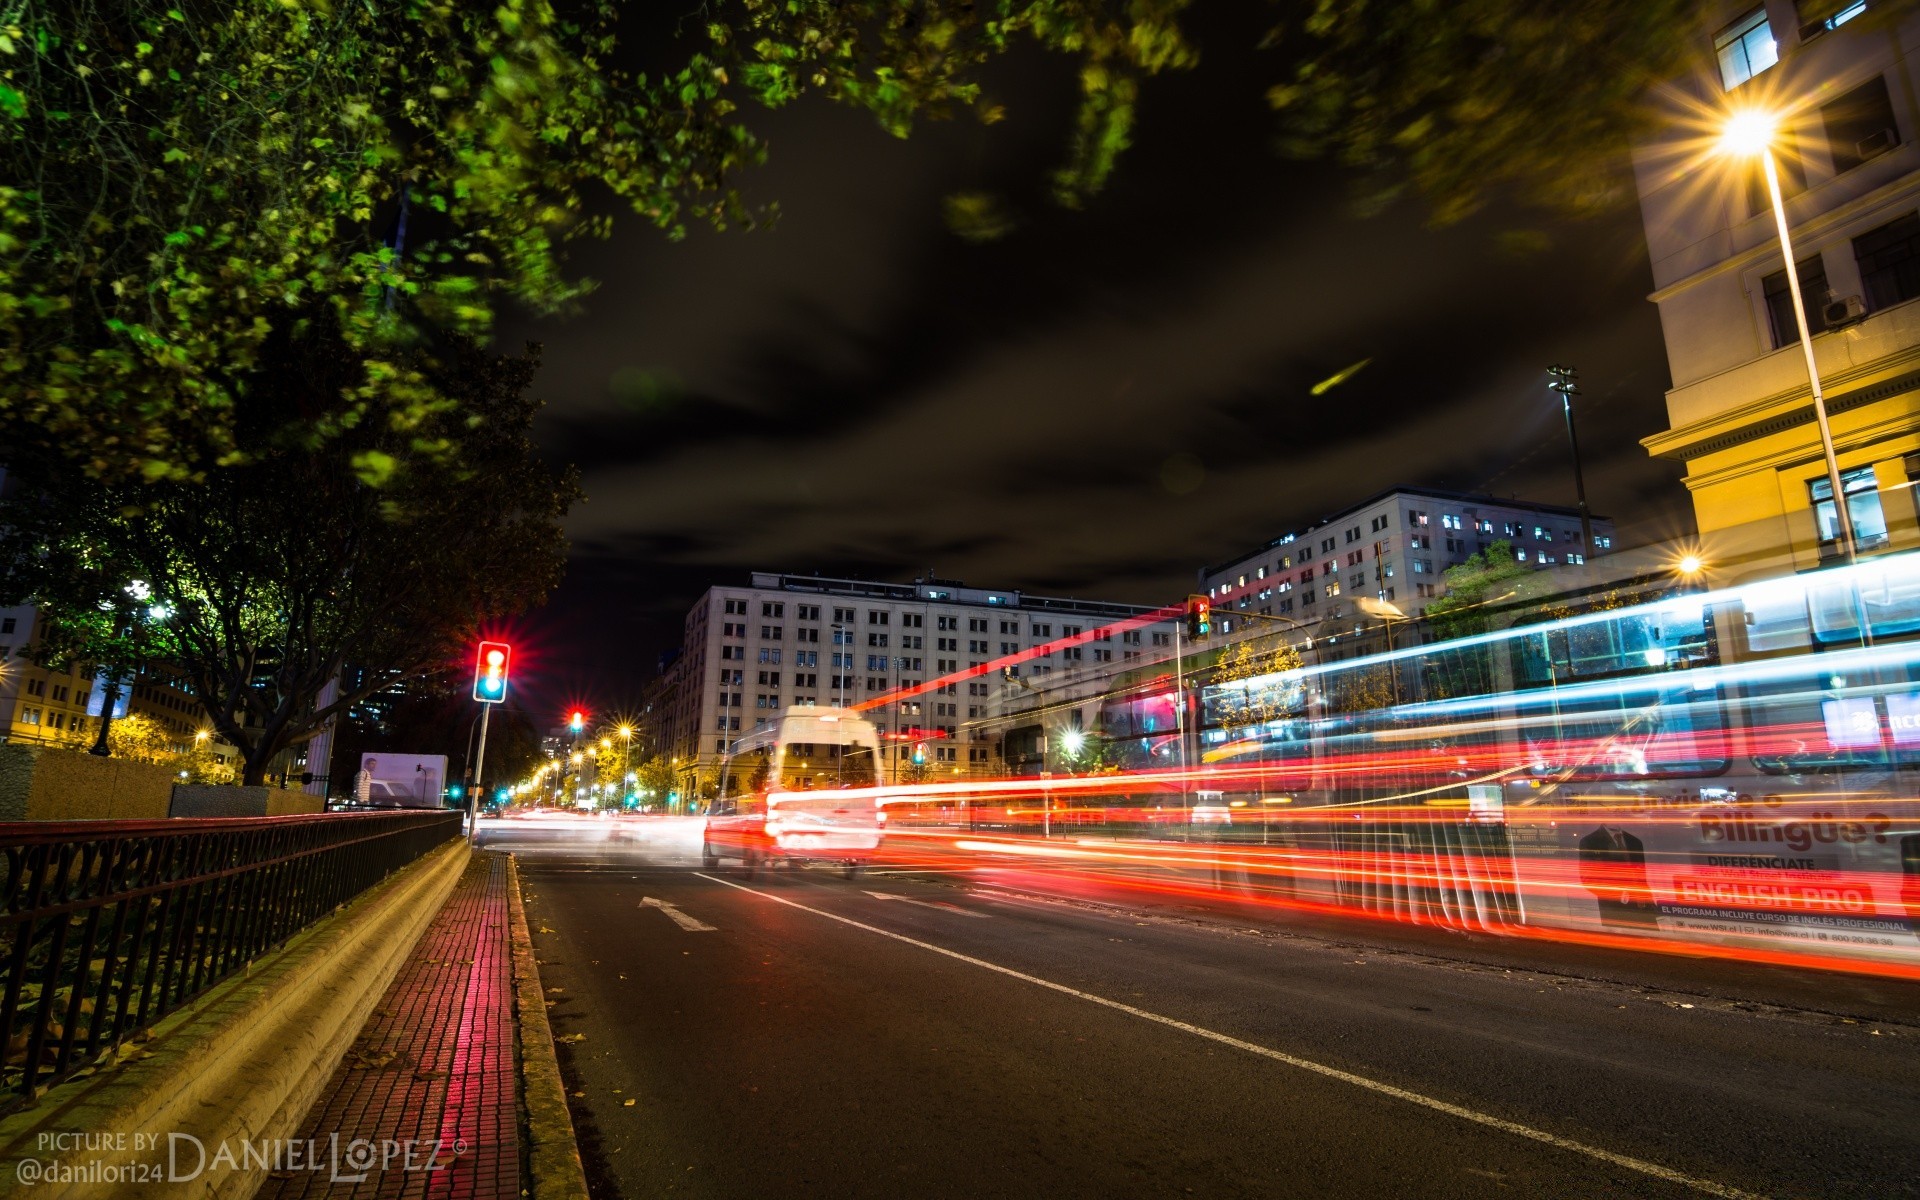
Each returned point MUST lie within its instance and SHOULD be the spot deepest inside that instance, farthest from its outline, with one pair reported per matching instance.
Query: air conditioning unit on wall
(1843, 311)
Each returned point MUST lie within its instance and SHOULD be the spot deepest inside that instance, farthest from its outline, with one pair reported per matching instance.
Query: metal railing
(107, 926)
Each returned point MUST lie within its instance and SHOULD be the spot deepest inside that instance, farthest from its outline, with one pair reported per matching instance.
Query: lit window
(1847, 13)
(1745, 48)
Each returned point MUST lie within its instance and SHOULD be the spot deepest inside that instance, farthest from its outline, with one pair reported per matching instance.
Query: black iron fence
(107, 926)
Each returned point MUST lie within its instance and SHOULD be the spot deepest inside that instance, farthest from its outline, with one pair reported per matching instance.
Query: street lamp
(1563, 382)
(1748, 134)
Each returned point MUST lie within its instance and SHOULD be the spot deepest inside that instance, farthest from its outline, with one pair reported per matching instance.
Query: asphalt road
(1002, 1032)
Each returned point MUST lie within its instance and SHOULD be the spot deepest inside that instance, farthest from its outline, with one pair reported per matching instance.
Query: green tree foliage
(1244, 660)
(180, 180)
(277, 571)
(1473, 587)
(1451, 102)
(657, 778)
(139, 738)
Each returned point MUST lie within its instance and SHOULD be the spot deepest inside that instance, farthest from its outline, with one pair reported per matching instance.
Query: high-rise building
(1837, 74)
(749, 652)
(1393, 547)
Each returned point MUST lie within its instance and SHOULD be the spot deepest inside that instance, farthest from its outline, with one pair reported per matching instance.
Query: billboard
(388, 780)
(1837, 869)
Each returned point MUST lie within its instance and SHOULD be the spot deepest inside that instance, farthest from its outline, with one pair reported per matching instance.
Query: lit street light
(1749, 134)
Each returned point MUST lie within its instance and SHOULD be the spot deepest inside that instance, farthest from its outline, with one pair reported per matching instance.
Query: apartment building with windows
(60, 707)
(1395, 547)
(1840, 74)
(749, 652)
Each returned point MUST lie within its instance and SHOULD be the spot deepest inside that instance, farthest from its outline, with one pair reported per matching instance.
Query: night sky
(1097, 404)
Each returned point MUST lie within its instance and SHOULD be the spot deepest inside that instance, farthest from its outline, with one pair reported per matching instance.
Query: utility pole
(1563, 382)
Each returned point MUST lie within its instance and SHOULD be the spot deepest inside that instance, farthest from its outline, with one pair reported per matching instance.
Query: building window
(737, 607)
(1863, 510)
(1745, 48)
(1889, 259)
(1860, 125)
(772, 609)
(1415, 517)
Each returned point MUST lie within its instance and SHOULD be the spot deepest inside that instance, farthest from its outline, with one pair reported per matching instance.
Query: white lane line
(679, 918)
(937, 904)
(1655, 1170)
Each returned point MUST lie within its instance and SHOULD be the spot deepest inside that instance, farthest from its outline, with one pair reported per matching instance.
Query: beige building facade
(1741, 416)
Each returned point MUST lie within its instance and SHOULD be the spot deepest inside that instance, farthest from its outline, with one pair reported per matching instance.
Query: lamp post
(1563, 382)
(626, 751)
(1751, 134)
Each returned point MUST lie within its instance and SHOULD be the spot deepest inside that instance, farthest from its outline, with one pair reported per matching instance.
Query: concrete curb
(554, 1159)
(241, 1066)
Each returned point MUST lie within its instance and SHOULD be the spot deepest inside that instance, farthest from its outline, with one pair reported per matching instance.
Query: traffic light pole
(479, 765)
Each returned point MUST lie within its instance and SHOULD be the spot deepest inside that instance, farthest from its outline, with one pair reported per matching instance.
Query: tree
(656, 780)
(276, 571)
(1473, 587)
(1240, 662)
(138, 738)
(184, 179)
(1452, 102)
(180, 181)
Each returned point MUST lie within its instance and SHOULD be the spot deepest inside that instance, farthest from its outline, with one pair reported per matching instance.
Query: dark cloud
(1098, 403)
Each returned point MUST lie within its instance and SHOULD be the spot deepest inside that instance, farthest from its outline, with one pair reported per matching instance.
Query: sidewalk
(427, 1101)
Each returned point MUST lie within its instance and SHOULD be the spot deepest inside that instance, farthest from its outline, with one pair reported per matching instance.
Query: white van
(803, 789)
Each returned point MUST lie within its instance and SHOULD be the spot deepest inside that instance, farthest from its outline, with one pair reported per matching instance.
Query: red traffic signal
(1199, 618)
(577, 721)
(490, 672)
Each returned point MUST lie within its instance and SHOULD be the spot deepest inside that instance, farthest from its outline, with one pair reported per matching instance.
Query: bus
(804, 788)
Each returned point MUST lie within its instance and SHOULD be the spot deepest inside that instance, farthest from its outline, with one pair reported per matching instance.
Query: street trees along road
(184, 182)
(276, 570)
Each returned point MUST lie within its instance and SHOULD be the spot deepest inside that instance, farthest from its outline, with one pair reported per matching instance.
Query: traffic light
(577, 721)
(454, 791)
(490, 672)
(1199, 618)
(919, 753)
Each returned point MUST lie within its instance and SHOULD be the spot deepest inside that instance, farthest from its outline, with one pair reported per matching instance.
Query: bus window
(1797, 729)
(1621, 733)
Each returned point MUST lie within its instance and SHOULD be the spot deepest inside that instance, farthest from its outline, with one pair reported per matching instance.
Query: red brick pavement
(437, 1064)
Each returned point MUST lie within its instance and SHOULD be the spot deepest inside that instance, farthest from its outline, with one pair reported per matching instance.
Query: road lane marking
(941, 905)
(679, 918)
(1708, 1186)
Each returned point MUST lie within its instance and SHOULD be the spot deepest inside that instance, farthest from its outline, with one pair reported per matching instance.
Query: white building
(1840, 75)
(1396, 547)
(749, 652)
